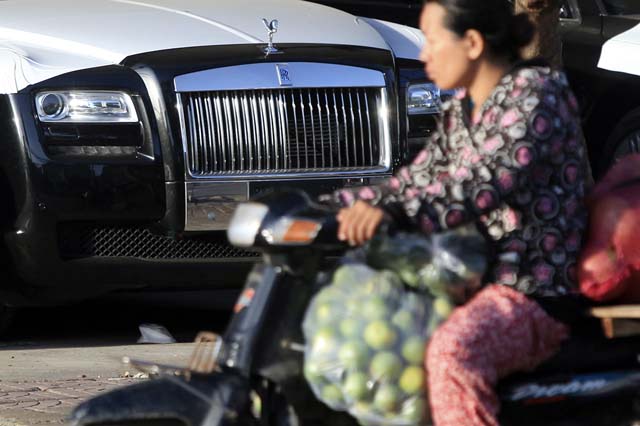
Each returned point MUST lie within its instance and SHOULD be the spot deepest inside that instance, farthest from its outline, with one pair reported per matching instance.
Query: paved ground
(33, 403)
(57, 358)
(41, 386)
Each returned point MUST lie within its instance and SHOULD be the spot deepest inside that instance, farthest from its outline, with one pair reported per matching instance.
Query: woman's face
(445, 54)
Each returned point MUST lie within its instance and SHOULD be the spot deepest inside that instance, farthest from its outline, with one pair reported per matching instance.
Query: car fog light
(423, 98)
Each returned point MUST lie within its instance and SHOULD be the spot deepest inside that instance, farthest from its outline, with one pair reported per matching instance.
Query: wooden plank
(620, 327)
(616, 311)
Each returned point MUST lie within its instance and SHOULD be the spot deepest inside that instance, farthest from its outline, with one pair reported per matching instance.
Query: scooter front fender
(220, 399)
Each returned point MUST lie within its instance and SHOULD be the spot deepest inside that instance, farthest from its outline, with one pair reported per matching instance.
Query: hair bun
(521, 30)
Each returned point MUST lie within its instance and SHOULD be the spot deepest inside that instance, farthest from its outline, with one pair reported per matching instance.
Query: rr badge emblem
(284, 76)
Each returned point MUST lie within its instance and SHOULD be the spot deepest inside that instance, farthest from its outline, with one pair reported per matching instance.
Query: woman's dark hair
(504, 32)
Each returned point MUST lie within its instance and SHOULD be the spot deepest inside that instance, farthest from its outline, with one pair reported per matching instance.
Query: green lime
(374, 308)
(312, 371)
(413, 350)
(385, 366)
(363, 412)
(332, 396)
(384, 283)
(326, 312)
(412, 380)
(387, 398)
(443, 307)
(326, 295)
(352, 275)
(431, 277)
(353, 355)
(356, 386)
(324, 341)
(380, 334)
(350, 327)
(413, 409)
(403, 320)
(417, 305)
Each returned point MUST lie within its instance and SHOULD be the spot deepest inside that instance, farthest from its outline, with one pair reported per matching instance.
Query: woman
(508, 156)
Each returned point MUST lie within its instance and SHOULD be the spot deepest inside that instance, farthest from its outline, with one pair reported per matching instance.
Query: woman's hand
(358, 223)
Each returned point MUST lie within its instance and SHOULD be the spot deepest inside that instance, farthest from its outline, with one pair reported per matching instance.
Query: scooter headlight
(245, 224)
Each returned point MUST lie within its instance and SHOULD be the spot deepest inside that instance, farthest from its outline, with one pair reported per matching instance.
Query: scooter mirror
(245, 224)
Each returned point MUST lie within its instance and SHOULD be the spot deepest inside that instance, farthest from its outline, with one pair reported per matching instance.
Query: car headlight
(85, 107)
(423, 98)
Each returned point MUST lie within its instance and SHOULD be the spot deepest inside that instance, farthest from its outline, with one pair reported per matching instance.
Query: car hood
(620, 53)
(40, 38)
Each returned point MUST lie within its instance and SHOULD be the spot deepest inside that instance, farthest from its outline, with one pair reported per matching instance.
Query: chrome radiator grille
(282, 130)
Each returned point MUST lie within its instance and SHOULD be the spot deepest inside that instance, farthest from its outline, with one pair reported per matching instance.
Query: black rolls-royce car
(130, 130)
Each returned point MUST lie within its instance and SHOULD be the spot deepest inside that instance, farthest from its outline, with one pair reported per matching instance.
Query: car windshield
(622, 7)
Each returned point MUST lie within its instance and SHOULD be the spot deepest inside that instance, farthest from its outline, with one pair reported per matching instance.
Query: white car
(130, 130)
(600, 53)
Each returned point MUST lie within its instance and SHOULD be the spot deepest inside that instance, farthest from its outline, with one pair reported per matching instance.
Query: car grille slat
(353, 127)
(256, 130)
(366, 103)
(345, 123)
(335, 109)
(285, 134)
(282, 131)
(326, 104)
(362, 143)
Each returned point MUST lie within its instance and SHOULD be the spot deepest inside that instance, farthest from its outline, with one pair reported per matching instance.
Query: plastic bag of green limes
(450, 265)
(365, 341)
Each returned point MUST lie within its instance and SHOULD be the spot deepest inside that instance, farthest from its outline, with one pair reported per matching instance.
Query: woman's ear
(475, 44)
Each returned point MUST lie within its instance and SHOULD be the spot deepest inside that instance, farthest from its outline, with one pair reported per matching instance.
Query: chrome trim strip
(265, 76)
(327, 174)
(210, 205)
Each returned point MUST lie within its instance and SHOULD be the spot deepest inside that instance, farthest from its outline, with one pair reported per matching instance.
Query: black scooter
(254, 374)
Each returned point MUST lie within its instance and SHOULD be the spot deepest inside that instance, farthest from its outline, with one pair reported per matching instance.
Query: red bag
(609, 266)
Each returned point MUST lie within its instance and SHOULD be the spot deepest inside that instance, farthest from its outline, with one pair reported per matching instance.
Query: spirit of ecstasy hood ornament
(272, 28)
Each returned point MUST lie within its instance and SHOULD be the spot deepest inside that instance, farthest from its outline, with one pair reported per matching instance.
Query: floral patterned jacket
(519, 171)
